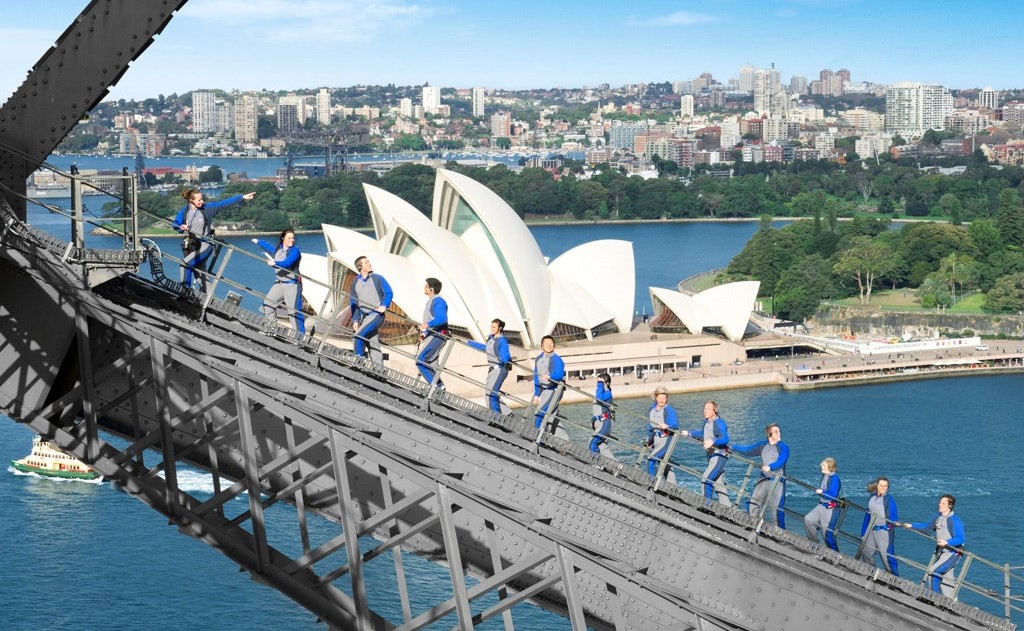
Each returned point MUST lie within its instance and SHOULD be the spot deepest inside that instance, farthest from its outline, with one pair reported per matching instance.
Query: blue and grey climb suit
(287, 289)
(601, 420)
(880, 536)
(435, 314)
(547, 391)
(366, 295)
(825, 515)
(657, 438)
(196, 249)
(498, 363)
(940, 571)
(774, 457)
(713, 477)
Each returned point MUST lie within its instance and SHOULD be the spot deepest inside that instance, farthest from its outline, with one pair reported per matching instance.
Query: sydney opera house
(491, 267)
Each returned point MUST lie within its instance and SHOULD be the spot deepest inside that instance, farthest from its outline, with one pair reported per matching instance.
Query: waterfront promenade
(640, 361)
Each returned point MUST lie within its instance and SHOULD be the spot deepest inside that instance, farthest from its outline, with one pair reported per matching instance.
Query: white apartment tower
(478, 102)
(762, 91)
(204, 111)
(988, 98)
(431, 99)
(246, 119)
(746, 82)
(913, 108)
(405, 108)
(323, 107)
(798, 84)
(686, 106)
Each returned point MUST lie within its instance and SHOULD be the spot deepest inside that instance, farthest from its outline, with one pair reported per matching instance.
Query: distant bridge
(293, 424)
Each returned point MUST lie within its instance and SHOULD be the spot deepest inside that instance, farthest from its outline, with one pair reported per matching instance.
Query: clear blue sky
(291, 44)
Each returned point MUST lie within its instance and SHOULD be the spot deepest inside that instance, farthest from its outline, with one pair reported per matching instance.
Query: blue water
(929, 437)
(958, 436)
(664, 253)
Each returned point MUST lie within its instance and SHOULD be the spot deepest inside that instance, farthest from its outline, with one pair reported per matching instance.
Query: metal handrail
(526, 415)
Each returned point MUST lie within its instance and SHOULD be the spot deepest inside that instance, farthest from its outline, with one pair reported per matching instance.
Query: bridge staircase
(139, 377)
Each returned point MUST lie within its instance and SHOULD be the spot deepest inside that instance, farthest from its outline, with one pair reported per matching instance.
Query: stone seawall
(874, 322)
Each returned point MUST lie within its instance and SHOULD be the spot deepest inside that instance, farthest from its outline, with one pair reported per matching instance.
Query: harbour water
(99, 559)
(91, 557)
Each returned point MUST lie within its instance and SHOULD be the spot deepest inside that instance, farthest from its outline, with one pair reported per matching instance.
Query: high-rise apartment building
(622, 135)
(798, 84)
(291, 113)
(913, 108)
(247, 117)
(988, 98)
(686, 105)
(703, 82)
(762, 91)
(323, 107)
(204, 114)
(829, 83)
(431, 99)
(478, 102)
(746, 82)
(224, 117)
(501, 125)
(405, 108)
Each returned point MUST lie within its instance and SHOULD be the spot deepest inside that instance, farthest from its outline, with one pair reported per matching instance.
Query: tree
(949, 205)
(886, 206)
(958, 270)
(212, 174)
(803, 286)
(1007, 294)
(864, 261)
(933, 292)
(865, 185)
(1010, 218)
(924, 245)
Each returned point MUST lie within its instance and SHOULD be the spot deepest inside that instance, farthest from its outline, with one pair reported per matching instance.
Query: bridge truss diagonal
(288, 434)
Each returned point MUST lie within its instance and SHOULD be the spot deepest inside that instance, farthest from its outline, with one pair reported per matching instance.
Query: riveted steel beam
(70, 79)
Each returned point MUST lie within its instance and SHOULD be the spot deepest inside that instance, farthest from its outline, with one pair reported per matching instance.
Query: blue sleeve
(783, 457)
(438, 309)
(480, 346)
(834, 485)
(291, 259)
(924, 525)
(670, 418)
(503, 353)
(867, 520)
(956, 528)
(602, 393)
(388, 295)
(557, 368)
(536, 377)
(212, 208)
(180, 219)
(723, 430)
(890, 510)
(753, 449)
(696, 434)
(266, 247)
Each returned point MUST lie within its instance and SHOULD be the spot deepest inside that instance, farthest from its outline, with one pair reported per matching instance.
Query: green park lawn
(906, 300)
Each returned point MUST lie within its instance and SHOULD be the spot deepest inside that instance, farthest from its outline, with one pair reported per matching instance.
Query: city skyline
(305, 44)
